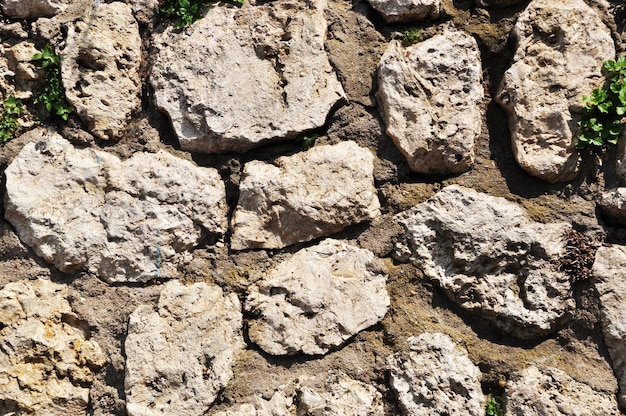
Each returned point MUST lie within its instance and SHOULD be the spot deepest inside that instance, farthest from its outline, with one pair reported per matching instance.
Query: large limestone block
(126, 221)
(277, 405)
(239, 78)
(100, 68)
(317, 300)
(46, 357)
(561, 46)
(180, 354)
(550, 391)
(491, 259)
(406, 10)
(301, 197)
(31, 9)
(609, 272)
(430, 95)
(340, 395)
(436, 377)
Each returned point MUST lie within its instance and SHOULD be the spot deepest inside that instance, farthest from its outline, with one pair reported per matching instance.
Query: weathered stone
(340, 395)
(430, 94)
(100, 68)
(180, 354)
(491, 259)
(19, 58)
(612, 203)
(559, 56)
(239, 78)
(609, 272)
(301, 197)
(278, 405)
(436, 377)
(550, 391)
(406, 10)
(317, 300)
(126, 221)
(46, 357)
(498, 3)
(29, 9)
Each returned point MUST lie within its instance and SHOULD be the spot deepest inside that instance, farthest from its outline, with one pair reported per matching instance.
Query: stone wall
(287, 209)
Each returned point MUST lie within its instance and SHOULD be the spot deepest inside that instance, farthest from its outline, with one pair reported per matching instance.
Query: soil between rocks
(354, 46)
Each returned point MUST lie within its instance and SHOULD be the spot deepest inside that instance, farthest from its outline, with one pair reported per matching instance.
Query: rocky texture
(46, 357)
(610, 277)
(239, 78)
(278, 405)
(550, 391)
(429, 96)
(406, 10)
(559, 56)
(498, 3)
(19, 66)
(436, 377)
(29, 9)
(126, 221)
(100, 68)
(491, 259)
(179, 354)
(317, 300)
(612, 203)
(301, 197)
(340, 395)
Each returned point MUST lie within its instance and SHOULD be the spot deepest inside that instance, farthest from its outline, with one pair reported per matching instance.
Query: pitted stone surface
(430, 95)
(491, 259)
(100, 68)
(301, 197)
(46, 357)
(436, 377)
(317, 300)
(277, 405)
(126, 221)
(550, 391)
(609, 272)
(239, 78)
(29, 9)
(340, 395)
(180, 354)
(561, 46)
(406, 10)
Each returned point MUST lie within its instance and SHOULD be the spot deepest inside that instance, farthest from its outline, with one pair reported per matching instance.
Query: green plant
(409, 37)
(8, 120)
(308, 141)
(601, 122)
(52, 95)
(495, 406)
(187, 11)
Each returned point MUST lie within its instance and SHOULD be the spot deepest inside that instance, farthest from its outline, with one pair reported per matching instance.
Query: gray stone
(126, 221)
(406, 10)
(612, 203)
(550, 391)
(180, 354)
(239, 78)
(430, 94)
(46, 357)
(340, 395)
(491, 259)
(100, 68)
(609, 272)
(317, 300)
(29, 9)
(436, 377)
(561, 46)
(278, 405)
(301, 197)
